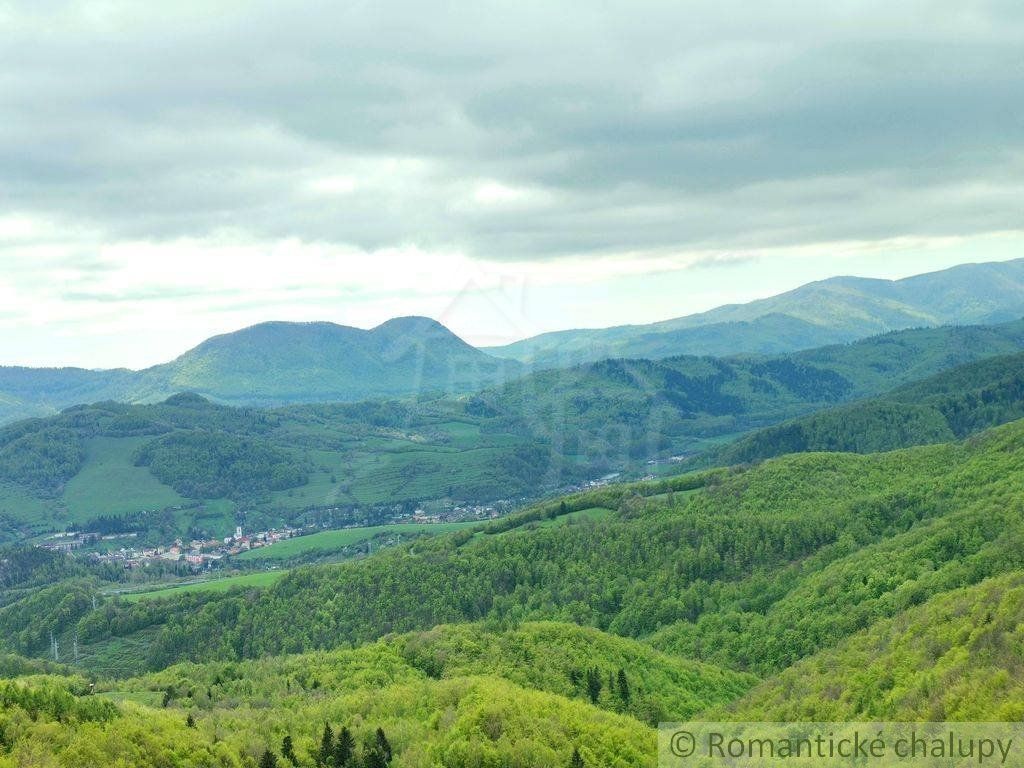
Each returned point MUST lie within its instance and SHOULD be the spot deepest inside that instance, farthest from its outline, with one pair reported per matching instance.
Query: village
(202, 554)
(197, 553)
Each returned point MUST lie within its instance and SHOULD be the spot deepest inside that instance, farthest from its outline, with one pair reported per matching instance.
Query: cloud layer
(510, 133)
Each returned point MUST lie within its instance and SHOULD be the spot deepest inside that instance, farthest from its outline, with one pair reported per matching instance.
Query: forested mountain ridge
(949, 405)
(616, 411)
(529, 437)
(276, 363)
(828, 311)
(190, 465)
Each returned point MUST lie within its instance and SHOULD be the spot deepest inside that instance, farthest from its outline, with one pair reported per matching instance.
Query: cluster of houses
(197, 553)
(458, 514)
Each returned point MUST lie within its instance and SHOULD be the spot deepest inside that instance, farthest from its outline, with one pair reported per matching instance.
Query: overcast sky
(168, 171)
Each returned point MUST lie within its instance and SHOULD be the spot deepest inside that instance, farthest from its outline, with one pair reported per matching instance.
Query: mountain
(944, 407)
(196, 465)
(825, 312)
(188, 464)
(276, 363)
(613, 412)
(41, 391)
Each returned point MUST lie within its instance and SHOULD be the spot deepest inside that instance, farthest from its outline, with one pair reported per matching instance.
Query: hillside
(751, 570)
(274, 364)
(877, 586)
(956, 657)
(949, 405)
(614, 412)
(28, 392)
(297, 711)
(829, 311)
(190, 465)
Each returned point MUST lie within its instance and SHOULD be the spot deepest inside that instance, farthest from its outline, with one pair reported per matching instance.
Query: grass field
(328, 541)
(111, 484)
(593, 513)
(19, 508)
(145, 698)
(262, 579)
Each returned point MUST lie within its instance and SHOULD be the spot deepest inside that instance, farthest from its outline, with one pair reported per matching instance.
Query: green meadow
(223, 584)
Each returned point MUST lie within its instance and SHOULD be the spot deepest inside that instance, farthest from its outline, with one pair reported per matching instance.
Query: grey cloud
(654, 125)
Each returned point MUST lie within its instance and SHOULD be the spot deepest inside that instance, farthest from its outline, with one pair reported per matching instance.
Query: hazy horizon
(172, 173)
(499, 342)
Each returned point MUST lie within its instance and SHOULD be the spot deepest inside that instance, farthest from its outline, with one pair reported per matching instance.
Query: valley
(535, 572)
(511, 385)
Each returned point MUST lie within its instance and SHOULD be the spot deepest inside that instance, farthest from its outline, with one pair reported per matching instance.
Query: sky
(172, 171)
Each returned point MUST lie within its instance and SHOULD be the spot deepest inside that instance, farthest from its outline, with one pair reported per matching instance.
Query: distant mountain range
(831, 311)
(276, 363)
(279, 363)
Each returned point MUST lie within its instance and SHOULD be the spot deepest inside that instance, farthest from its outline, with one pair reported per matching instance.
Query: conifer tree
(623, 685)
(344, 749)
(323, 756)
(288, 749)
(383, 745)
(594, 684)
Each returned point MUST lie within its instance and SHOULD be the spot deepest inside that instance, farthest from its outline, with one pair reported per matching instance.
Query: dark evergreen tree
(594, 684)
(344, 749)
(623, 685)
(383, 745)
(269, 760)
(323, 756)
(577, 759)
(190, 722)
(288, 749)
(373, 758)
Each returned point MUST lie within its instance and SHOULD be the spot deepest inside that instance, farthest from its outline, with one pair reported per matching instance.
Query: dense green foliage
(40, 456)
(563, 659)
(957, 657)
(854, 586)
(214, 466)
(952, 404)
(233, 715)
(753, 571)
